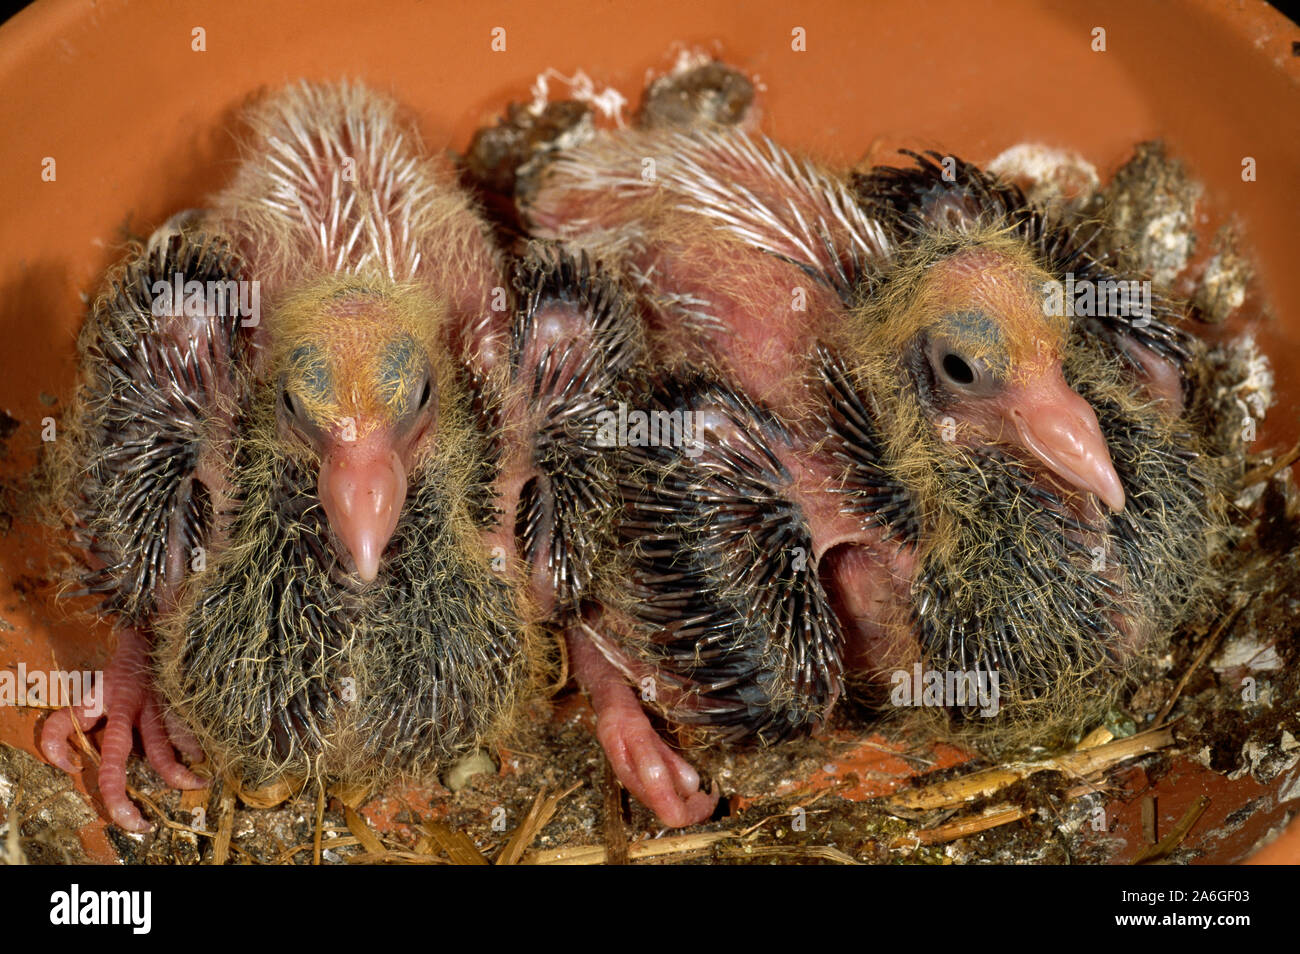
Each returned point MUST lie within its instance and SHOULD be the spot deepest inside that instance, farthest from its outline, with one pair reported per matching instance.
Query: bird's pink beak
(1059, 427)
(362, 488)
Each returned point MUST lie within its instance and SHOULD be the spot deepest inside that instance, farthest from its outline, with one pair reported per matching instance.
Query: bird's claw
(653, 772)
(160, 748)
(57, 734)
(125, 700)
(642, 760)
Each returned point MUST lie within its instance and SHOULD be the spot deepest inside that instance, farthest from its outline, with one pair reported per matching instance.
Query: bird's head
(985, 356)
(358, 384)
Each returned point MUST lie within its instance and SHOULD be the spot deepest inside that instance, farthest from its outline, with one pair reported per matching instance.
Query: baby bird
(308, 420)
(1040, 416)
(903, 452)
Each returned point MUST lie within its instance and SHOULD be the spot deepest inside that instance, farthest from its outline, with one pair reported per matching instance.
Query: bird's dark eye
(289, 404)
(425, 394)
(957, 370)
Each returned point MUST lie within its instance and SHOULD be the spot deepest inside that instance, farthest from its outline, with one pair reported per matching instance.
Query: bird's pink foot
(646, 765)
(126, 700)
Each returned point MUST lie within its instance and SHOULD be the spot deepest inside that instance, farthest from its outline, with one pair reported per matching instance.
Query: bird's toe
(113, 753)
(159, 749)
(56, 737)
(654, 773)
(181, 737)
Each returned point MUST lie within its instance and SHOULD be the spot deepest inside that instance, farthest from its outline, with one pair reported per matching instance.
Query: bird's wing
(770, 199)
(574, 336)
(161, 385)
(747, 187)
(938, 192)
(869, 488)
(723, 578)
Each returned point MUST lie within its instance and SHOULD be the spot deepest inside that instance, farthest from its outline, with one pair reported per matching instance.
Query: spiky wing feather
(944, 193)
(152, 397)
(749, 187)
(774, 201)
(870, 490)
(566, 510)
(735, 620)
(333, 180)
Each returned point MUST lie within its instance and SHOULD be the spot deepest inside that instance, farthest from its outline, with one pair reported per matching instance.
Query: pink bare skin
(1162, 380)
(643, 761)
(129, 702)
